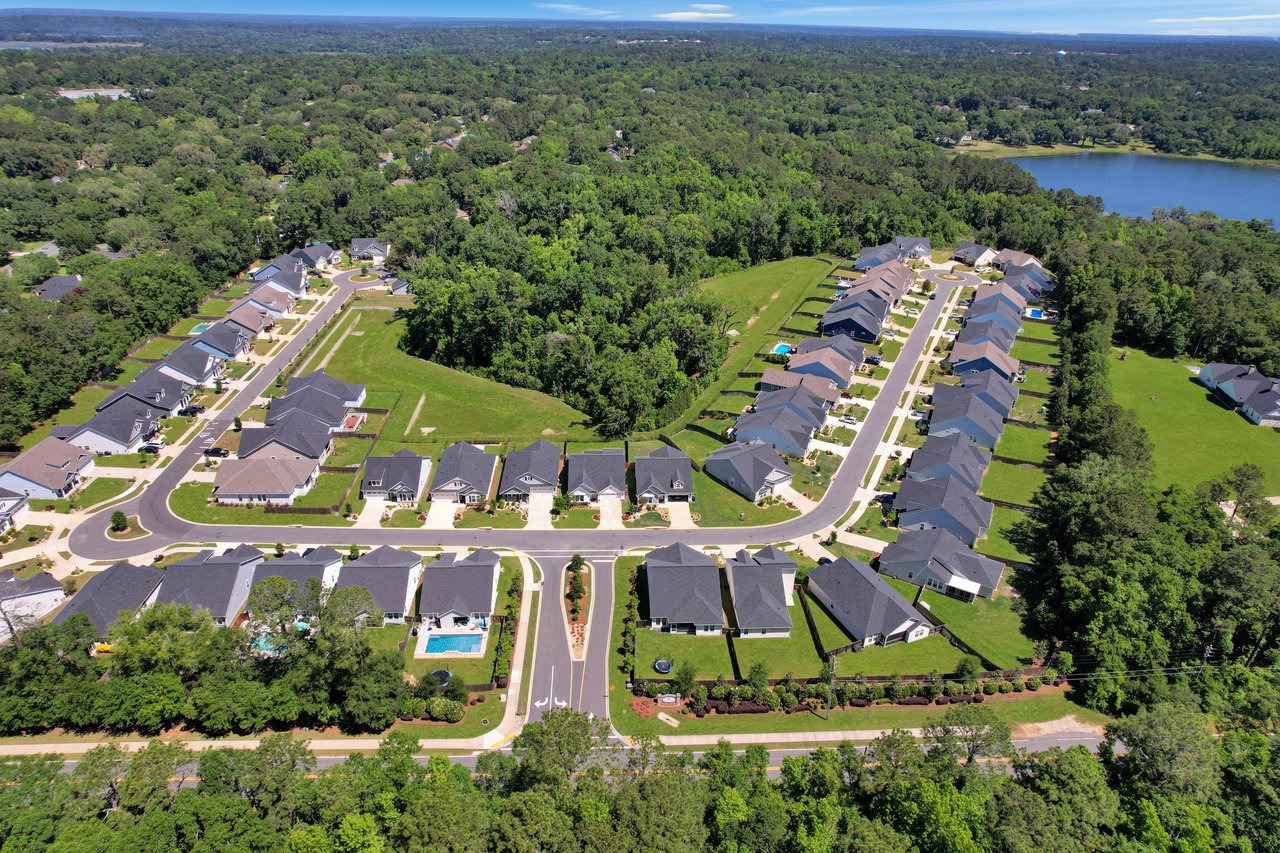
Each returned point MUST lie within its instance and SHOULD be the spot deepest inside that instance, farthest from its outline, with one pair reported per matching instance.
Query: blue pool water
(781, 348)
(199, 327)
(464, 643)
(1035, 314)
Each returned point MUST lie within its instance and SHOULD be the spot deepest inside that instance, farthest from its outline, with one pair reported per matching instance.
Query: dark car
(190, 411)
(152, 447)
(216, 451)
(874, 359)
(886, 498)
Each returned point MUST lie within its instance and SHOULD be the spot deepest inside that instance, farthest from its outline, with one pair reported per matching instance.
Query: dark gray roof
(153, 387)
(121, 587)
(313, 254)
(843, 344)
(866, 309)
(747, 464)
(224, 336)
(683, 586)
(997, 391)
(758, 591)
(918, 246)
(385, 572)
(459, 584)
(664, 471)
(313, 403)
(465, 462)
(292, 280)
(360, 245)
(385, 555)
(947, 494)
(944, 555)
(306, 438)
(12, 586)
(597, 470)
(190, 360)
(319, 380)
(997, 307)
(57, 286)
(954, 403)
(282, 263)
(876, 255)
(540, 459)
(124, 422)
(862, 601)
(808, 406)
(781, 420)
(204, 581)
(298, 568)
(986, 328)
(401, 469)
(950, 454)
(970, 252)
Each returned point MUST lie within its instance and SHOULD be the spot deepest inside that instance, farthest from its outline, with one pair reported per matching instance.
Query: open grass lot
(1022, 442)
(796, 655)
(80, 410)
(1012, 483)
(1039, 352)
(191, 501)
(576, 518)
(996, 543)
(719, 506)
(871, 523)
(458, 406)
(988, 625)
(215, 307)
(98, 490)
(709, 654)
(505, 519)
(1193, 438)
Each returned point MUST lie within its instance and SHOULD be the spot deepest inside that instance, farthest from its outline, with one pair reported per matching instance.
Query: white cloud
(696, 16)
(1210, 19)
(709, 7)
(831, 10)
(575, 9)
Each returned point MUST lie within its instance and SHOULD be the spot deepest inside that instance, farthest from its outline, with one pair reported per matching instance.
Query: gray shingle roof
(206, 581)
(861, 601)
(306, 438)
(153, 387)
(799, 399)
(954, 403)
(363, 245)
(541, 459)
(664, 471)
(299, 568)
(385, 572)
(313, 254)
(49, 462)
(843, 344)
(745, 468)
(781, 421)
(939, 553)
(683, 586)
(465, 462)
(190, 360)
(979, 330)
(12, 586)
(993, 388)
(121, 587)
(758, 592)
(125, 422)
(970, 252)
(598, 470)
(309, 402)
(57, 286)
(462, 585)
(952, 454)
(948, 495)
(225, 337)
(400, 470)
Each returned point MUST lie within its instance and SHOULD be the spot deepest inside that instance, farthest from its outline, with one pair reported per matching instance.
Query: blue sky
(1250, 17)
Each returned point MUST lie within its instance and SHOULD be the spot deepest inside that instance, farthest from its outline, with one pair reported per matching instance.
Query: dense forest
(1178, 788)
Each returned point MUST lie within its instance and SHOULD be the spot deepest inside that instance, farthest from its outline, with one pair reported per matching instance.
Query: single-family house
(225, 340)
(391, 576)
(683, 591)
(13, 510)
(993, 389)
(23, 602)
(317, 256)
(760, 587)
(950, 455)
(913, 248)
(48, 470)
(1002, 292)
(218, 583)
(593, 474)
(310, 405)
(754, 471)
(995, 311)
(964, 411)
(860, 316)
(250, 318)
(532, 470)
(826, 363)
(154, 389)
(458, 591)
(274, 302)
(975, 358)
(780, 427)
(843, 344)
(665, 474)
(281, 264)
(192, 364)
(1263, 406)
(811, 408)
(776, 379)
(1012, 257)
(984, 329)
(123, 428)
(291, 283)
(865, 605)
(121, 589)
(464, 475)
(1031, 280)
(398, 478)
(290, 440)
(369, 249)
(1244, 388)
(942, 502)
(398, 286)
(873, 256)
(935, 559)
(264, 480)
(55, 287)
(974, 254)
(322, 564)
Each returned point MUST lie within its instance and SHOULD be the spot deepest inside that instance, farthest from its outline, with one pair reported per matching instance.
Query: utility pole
(831, 682)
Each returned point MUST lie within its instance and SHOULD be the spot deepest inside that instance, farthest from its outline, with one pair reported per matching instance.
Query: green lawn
(795, 655)
(1037, 380)
(709, 655)
(191, 501)
(1012, 483)
(988, 625)
(717, 505)
(98, 490)
(647, 519)
(127, 372)
(842, 436)
(348, 451)
(698, 445)
(871, 523)
(82, 408)
(403, 518)
(843, 549)
(996, 542)
(810, 480)
(932, 654)
(23, 537)
(1040, 352)
(156, 348)
(506, 519)
(1193, 438)
(576, 518)
(458, 406)
(1028, 409)
(1023, 442)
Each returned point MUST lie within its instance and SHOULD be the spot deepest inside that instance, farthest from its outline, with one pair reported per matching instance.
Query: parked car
(190, 411)
(919, 413)
(884, 498)
(217, 451)
(874, 359)
(153, 447)
(933, 295)
(848, 419)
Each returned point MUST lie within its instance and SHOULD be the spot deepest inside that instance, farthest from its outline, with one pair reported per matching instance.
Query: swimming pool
(199, 327)
(1035, 313)
(781, 349)
(467, 644)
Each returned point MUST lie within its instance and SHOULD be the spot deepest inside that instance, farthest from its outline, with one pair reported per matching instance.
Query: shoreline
(999, 151)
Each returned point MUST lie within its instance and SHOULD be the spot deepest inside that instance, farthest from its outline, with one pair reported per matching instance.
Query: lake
(1132, 184)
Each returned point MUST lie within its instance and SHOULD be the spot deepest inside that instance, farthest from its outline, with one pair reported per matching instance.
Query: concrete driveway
(610, 514)
(440, 515)
(540, 512)
(680, 514)
(371, 515)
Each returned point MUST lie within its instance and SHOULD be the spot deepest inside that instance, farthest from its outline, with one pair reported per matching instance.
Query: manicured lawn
(698, 445)
(842, 436)
(795, 655)
(891, 348)
(23, 537)
(1193, 438)
(709, 655)
(812, 481)
(871, 523)
(127, 460)
(1012, 483)
(191, 501)
(843, 549)
(1028, 408)
(501, 520)
(127, 372)
(403, 518)
(1023, 442)
(328, 491)
(719, 506)
(80, 410)
(458, 405)
(1037, 379)
(215, 307)
(348, 451)
(98, 490)
(830, 634)
(576, 518)
(156, 348)
(1040, 352)
(932, 654)
(647, 519)
(804, 324)
(996, 543)
(988, 625)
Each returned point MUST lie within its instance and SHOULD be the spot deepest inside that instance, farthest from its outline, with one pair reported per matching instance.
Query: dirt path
(416, 411)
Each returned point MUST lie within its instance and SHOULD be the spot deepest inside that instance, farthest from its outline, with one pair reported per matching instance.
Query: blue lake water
(1132, 184)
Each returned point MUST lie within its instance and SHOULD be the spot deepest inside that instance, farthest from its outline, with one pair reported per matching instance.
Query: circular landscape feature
(442, 676)
(662, 666)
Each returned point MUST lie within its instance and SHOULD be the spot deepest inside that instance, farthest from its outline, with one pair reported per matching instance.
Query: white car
(848, 419)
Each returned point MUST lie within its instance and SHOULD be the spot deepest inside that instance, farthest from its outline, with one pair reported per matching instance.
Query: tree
(119, 522)
(555, 747)
(1169, 753)
(967, 732)
(273, 602)
(685, 678)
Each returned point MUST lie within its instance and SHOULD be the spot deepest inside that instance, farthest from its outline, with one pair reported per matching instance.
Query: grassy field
(1026, 443)
(98, 490)
(996, 543)
(698, 445)
(796, 655)
(842, 549)
(808, 481)
(458, 406)
(988, 625)
(348, 451)
(1039, 352)
(932, 654)
(870, 523)
(80, 410)
(1012, 483)
(1193, 438)
(576, 518)
(191, 501)
(719, 506)
(709, 655)
(506, 519)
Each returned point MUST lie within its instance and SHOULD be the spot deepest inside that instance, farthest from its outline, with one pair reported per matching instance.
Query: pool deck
(420, 647)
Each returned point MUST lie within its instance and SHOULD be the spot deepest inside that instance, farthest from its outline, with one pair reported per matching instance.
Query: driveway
(610, 514)
(681, 515)
(540, 512)
(440, 515)
(371, 515)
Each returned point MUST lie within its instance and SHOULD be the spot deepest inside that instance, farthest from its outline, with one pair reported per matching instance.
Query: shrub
(1019, 686)
(413, 708)
(445, 710)
(1033, 684)
(698, 700)
(978, 698)
(989, 688)
(1006, 687)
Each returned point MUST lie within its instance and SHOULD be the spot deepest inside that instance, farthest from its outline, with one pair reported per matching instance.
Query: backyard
(996, 543)
(988, 625)
(191, 501)
(1012, 483)
(1025, 443)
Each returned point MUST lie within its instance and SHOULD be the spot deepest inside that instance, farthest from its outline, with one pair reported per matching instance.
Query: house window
(471, 499)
